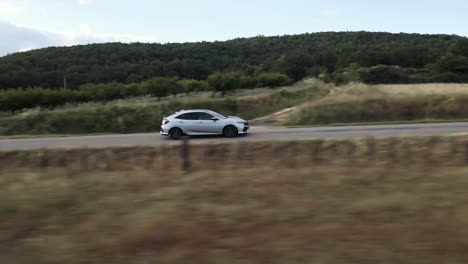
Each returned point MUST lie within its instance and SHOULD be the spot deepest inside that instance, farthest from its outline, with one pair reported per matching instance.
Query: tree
(156, 87)
(224, 81)
(189, 86)
(295, 65)
(460, 47)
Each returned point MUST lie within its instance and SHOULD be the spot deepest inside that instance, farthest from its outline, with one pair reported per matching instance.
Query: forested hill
(338, 57)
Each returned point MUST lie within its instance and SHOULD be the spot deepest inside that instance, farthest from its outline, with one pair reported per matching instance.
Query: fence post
(351, 151)
(108, 159)
(151, 155)
(185, 152)
(371, 150)
(466, 153)
(3, 162)
(84, 159)
(317, 151)
(61, 158)
(407, 155)
(453, 151)
(242, 154)
(429, 150)
(391, 152)
(44, 159)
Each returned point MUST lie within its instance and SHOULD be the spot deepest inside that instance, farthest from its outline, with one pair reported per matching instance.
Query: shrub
(273, 79)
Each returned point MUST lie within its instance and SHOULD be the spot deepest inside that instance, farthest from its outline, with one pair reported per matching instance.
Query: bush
(446, 77)
(383, 74)
(273, 79)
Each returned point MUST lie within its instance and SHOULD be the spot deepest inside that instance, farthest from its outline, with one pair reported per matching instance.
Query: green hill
(333, 56)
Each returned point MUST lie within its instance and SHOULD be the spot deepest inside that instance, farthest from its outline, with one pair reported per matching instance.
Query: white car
(202, 122)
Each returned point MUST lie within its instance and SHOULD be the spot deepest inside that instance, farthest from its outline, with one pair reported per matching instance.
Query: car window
(187, 116)
(204, 116)
(220, 116)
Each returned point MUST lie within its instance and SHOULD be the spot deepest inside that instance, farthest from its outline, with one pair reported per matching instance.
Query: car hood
(236, 118)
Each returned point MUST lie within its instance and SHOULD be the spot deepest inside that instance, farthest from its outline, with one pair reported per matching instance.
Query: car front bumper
(243, 129)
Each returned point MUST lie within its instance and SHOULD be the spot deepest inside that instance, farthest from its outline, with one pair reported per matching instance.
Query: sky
(32, 24)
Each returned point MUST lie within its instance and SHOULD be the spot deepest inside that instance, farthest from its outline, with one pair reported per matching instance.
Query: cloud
(9, 11)
(19, 38)
(85, 29)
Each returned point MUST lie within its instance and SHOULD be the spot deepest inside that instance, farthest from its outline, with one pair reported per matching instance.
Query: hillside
(360, 103)
(332, 56)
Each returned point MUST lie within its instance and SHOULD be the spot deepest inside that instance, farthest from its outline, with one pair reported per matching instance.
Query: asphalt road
(256, 134)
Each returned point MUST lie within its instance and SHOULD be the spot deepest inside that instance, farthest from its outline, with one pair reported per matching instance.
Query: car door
(206, 124)
(188, 122)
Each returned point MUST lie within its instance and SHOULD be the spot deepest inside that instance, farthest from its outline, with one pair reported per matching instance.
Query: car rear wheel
(176, 133)
(230, 131)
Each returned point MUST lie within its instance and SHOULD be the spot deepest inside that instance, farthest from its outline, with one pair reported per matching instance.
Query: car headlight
(165, 121)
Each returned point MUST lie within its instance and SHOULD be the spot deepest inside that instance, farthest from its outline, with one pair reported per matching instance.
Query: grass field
(268, 205)
(316, 214)
(359, 103)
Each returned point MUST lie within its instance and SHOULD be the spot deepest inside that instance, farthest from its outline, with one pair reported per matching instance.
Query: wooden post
(185, 152)
(317, 151)
(84, 159)
(466, 153)
(351, 151)
(44, 159)
(430, 147)
(392, 152)
(371, 150)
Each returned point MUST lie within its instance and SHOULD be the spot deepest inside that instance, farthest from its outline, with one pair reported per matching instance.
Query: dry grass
(320, 214)
(372, 91)
(247, 203)
(424, 89)
(361, 103)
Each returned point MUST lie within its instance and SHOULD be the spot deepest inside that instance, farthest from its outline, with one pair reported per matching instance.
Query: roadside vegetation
(325, 205)
(13, 100)
(146, 117)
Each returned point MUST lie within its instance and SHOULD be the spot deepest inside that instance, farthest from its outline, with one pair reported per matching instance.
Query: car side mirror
(214, 118)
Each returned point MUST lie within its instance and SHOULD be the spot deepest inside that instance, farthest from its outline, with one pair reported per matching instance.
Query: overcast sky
(31, 24)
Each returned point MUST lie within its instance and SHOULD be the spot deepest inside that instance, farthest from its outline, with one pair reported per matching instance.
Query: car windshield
(218, 115)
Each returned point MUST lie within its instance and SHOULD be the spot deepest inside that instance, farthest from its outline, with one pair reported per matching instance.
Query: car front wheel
(230, 131)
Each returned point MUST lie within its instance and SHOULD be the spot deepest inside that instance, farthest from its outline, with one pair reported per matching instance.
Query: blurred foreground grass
(277, 205)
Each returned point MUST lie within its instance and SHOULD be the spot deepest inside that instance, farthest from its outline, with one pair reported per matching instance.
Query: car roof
(197, 110)
(194, 110)
(191, 111)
